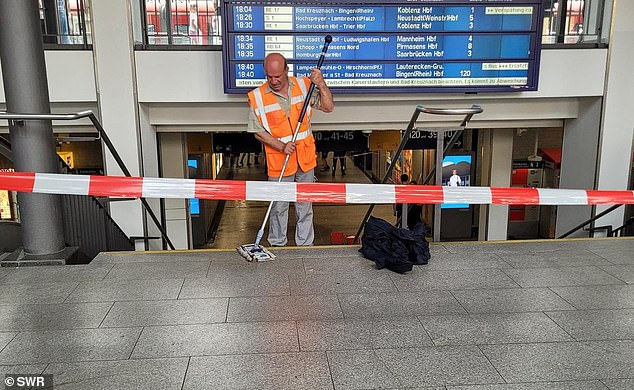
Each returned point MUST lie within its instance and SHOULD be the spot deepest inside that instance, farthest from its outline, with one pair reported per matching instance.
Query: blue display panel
(401, 46)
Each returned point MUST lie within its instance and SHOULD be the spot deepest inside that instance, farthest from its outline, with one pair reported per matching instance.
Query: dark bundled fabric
(394, 248)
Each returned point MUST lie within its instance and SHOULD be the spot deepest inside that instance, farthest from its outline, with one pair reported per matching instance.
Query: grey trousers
(304, 230)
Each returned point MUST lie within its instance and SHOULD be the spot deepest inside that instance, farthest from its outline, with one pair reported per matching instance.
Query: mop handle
(302, 114)
(322, 57)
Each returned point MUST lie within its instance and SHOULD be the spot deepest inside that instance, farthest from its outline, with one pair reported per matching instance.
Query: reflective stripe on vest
(261, 109)
(300, 136)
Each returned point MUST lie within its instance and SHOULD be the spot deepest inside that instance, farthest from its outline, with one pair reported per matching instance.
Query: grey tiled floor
(480, 316)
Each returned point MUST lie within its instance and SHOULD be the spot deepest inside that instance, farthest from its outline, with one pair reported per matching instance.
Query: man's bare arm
(326, 101)
(268, 139)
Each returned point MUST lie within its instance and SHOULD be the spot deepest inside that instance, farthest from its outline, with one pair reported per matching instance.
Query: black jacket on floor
(394, 248)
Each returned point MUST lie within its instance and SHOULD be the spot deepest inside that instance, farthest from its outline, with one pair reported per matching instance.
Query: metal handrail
(90, 115)
(467, 112)
(618, 232)
(581, 225)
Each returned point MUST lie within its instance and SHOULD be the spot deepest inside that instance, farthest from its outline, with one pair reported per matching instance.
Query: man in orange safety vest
(274, 115)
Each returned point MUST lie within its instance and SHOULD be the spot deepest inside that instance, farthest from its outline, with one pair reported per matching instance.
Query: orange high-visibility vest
(274, 120)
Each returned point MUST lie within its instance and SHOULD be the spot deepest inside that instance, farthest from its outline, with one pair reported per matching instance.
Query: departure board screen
(390, 46)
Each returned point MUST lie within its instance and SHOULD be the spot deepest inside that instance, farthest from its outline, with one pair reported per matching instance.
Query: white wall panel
(71, 76)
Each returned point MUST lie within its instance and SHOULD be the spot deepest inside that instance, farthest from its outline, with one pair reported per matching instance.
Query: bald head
(276, 71)
(275, 59)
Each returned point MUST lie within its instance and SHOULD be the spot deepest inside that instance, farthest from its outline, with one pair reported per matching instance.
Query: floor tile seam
(47, 280)
(146, 325)
(125, 278)
(107, 360)
(343, 313)
(128, 300)
(458, 301)
(65, 300)
(573, 285)
(296, 318)
(42, 331)
(602, 380)
(228, 354)
(427, 333)
(144, 300)
(560, 326)
(104, 317)
(108, 273)
(189, 359)
(502, 260)
(582, 340)
(156, 262)
(207, 273)
(135, 343)
(137, 280)
(499, 342)
(49, 303)
(180, 289)
(590, 310)
(238, 296)
(528, 267)
(465, 290)
(504, 380)
(387, 367)
(299, 344)
(94, 361)
(33, 330)
(571, 342)
(562, 267)
(600, 255)
(299, 293)
(332, 377)
(171, 257)
(482, 313)
(614, 276)
(149, 327)
(566, 285)
(366, 319)
(373, 348)
(467, 314)
(561, 381)
(10, 341)
(227, 310)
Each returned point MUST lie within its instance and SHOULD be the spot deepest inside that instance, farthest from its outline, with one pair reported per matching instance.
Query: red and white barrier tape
(150, 187)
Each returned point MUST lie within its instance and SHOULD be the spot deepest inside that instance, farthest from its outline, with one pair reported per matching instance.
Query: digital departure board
(390, 46)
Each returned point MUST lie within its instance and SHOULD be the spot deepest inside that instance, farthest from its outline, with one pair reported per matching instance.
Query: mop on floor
(255, 251)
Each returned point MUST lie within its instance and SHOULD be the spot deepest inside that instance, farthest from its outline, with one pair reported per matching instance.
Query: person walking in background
(398, 208)
(273, 118)
(194, 30)
(341, 157)
(324, 158)
(414, 212)
(241, 162)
